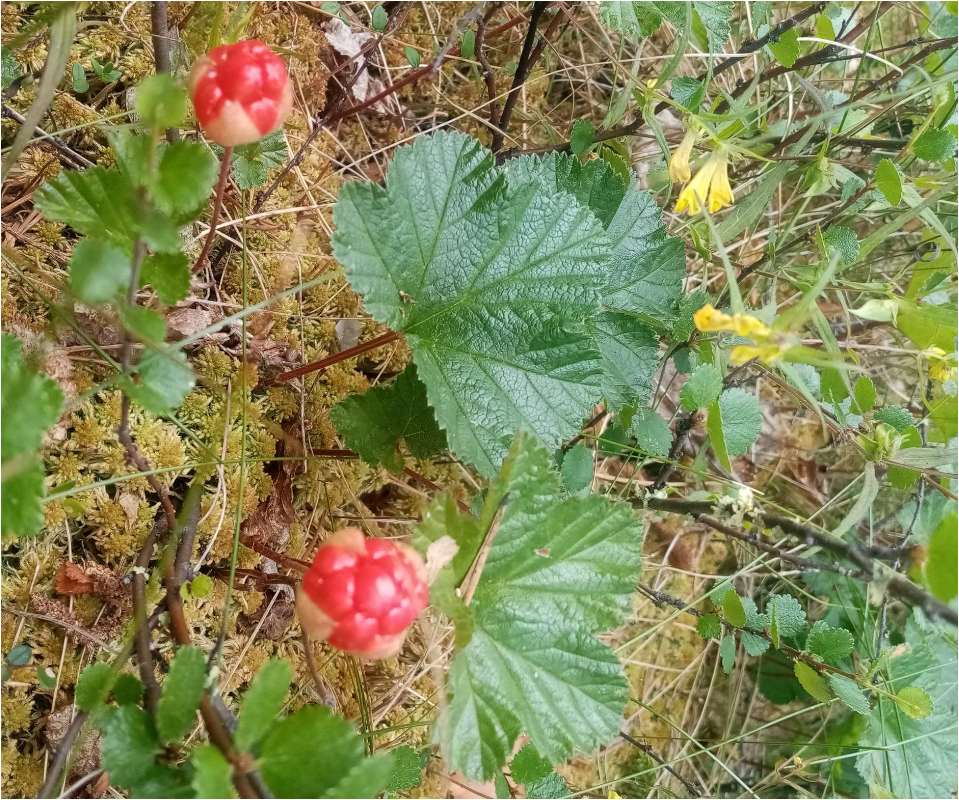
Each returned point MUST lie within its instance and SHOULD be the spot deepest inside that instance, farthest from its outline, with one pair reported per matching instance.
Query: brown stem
(692, 790)
(523, 68)
(336, 358)
(488, 76)
(160, 34)
(217, 205)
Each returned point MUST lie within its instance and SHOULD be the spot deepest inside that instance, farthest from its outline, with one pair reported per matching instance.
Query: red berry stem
(336, 358)
(217, 205)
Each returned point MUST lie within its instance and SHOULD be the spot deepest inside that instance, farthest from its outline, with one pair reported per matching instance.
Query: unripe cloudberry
(241, 92)
(361, 595)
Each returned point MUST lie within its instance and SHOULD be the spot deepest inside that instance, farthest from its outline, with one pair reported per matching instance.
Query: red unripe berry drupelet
(361, 595)
(241, 92)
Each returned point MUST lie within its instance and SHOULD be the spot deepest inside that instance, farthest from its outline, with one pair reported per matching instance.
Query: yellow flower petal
(766, 353)
(697, 190)
(720, 192)
(679, 159)
(711, 319)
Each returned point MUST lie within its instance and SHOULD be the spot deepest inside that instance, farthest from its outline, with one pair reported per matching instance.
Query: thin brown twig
(488, 75)
(217, 205)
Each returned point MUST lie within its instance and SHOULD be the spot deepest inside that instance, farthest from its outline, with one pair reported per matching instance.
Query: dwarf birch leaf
(830, 644)
(572, 561)
(181, 695)
(373, 423)
(850, 693)
(489, 283)
(812, 682)
(652, 432)
(702, 389)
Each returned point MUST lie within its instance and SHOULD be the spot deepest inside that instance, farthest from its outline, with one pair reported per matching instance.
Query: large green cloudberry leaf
(373, 423)
(915, 757)
(570, 562)
(645, 273)
(489, 284)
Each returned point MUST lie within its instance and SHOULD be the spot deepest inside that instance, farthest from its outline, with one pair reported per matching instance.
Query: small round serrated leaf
(733, 609)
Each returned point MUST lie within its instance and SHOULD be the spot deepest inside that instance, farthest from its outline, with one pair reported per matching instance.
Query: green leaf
(165, 379)
(702, 388)
(181, 694)
(773, 626)
(212, 773)
(734, 423)
(31, 402)
(46, 677)
(915, 758)
(501, 787)
(905, 478)
(830, 644)
(688, 92)
(727, 653)
(373, 423)
(144, 323)
(850, 693)
(310, 752)
(128, 745)
(469, 43)
(812, 682)
(843, 241)
(790, 616)
(127, 690)
(935, 145)
(163, 781)
(19, 656)
(630, 357)
(201, 586)
(252, 162)
(161, 101)
(651, 432)
(528, 765)
(184, 178)
(413, 56)
(99, 271)
(80, 83)
(262, 702)
(168, 274)
(572, 561)
(22, 499)
(914, 702)
(926, 457)
(492, 326)
(898, 417)
(942, 560)
(889, 181)
(10, 69)
(646, 267)
(93, 686)
(581, 136)
(379, 18)
(709, 626)
(683, 325)
(407, 770)
(366, 779)
(733, 609)
(103, 203)
(577, 469)
(753, 645)
(643, 18)
(864, 500)
(864, 393)
(786, 50)
(552, 787)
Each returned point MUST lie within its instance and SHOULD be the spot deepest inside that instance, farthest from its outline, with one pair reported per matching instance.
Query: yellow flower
(709, 187)
(710, 319)
(679, 159)
(766, 353)
(941, 367)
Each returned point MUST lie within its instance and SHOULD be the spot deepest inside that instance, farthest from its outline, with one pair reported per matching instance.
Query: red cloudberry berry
(361, 595)
(241, 92)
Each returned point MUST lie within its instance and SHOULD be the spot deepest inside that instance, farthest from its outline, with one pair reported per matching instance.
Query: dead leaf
(70, 579)
(347, 43)
(186, 321)
(130, 503)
